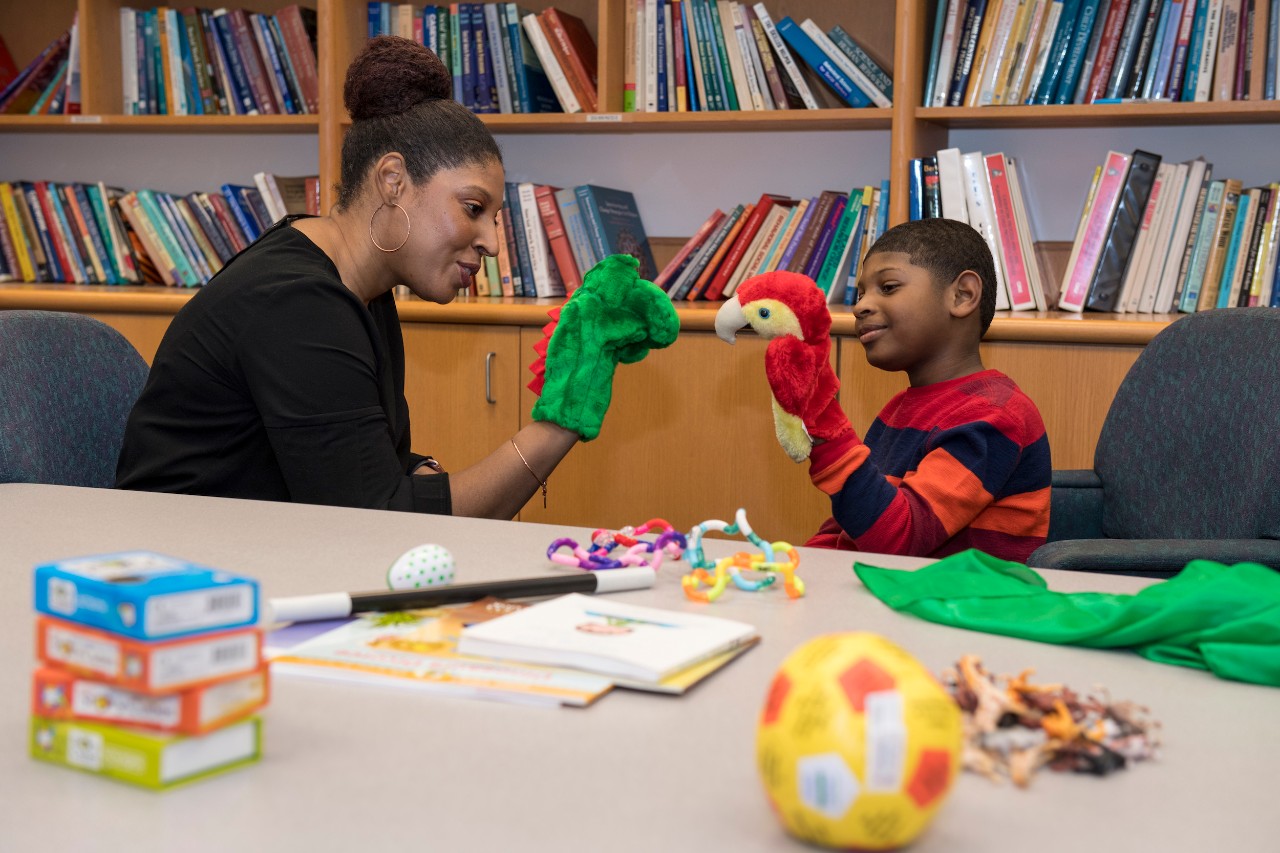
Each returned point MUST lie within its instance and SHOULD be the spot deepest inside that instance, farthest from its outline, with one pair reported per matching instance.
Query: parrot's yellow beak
(729, 319)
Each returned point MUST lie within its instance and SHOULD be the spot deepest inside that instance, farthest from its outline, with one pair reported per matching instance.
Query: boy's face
(905, 320)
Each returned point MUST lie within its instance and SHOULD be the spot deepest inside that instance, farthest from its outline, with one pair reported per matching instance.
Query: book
(1015, 264)
(1133, 282)
(1088, 24)
(1146, 285)
(576, 229)
(683, 283)
(1219, 245)
(861, 81)
(1190, 209)
(148, 759)
(1087, 248)
(545, 275)
(557, 236)
(681, 259)
(614, 224)
(550, 64)
(734, 257)
(874, 72)
(1205, 235)
(60, 695)
(783, 53)
(574, 47)
(1139, 67)
(1230, 31)
(699, 288)
(966, 51)
(418, 650)
(825, 66)
(611, 638)
(1104, 291)
(1237, 248)
(982, 217)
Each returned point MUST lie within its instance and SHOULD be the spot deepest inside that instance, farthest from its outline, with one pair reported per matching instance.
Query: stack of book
(992, 52)
(222, 62)
(551, 237)
(569, 650)
(693, 55)
(985, 191)
(503, 58)
(150, 669)
(1157, 237)
(824, 237)
(95, 234)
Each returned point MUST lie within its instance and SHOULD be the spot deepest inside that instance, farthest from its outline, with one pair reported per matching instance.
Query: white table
(350, 768)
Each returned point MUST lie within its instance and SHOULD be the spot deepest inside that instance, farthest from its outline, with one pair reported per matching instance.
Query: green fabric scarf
(1225, 619)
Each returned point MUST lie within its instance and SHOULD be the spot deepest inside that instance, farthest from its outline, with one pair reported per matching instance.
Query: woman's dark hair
(399, 95)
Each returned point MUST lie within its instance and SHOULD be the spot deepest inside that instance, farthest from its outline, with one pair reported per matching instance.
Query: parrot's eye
(764, 313)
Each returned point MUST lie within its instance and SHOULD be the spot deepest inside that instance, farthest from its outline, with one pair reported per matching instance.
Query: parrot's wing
(791, 366)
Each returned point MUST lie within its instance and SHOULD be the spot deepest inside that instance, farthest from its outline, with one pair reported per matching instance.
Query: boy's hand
(614, 316)
(791, 312)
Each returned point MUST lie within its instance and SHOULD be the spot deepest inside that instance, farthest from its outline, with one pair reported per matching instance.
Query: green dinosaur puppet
(613, 317)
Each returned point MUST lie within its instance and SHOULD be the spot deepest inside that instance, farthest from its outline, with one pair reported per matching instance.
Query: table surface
(350, 767)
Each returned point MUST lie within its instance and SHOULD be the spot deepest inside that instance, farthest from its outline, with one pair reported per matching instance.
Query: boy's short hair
(946, 248)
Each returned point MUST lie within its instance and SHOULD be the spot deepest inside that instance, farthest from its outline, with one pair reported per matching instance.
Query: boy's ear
(965, 294)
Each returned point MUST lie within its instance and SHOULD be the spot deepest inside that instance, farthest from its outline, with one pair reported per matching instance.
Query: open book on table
(417, 649)
(628, 642)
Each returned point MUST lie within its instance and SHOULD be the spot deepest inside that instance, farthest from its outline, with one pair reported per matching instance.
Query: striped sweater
(949, 466)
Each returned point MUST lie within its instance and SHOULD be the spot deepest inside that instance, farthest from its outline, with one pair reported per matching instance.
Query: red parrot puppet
(790, 311)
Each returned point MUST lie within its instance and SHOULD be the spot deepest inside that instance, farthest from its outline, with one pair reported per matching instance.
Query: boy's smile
(905, 320)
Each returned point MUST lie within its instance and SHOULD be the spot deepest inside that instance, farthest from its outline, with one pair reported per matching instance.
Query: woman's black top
(275, 382)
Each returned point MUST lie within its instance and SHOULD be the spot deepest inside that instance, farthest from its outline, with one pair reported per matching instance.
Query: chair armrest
(1075, 510)
(1151, 558)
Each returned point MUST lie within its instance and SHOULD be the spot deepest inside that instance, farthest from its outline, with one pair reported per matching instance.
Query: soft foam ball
(858, 744)
(423, 566)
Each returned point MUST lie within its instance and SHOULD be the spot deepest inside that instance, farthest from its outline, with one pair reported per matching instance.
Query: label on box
(180, 612)
(223, 700)
(84, 748)
(105, 702)
(189, 662)
(82, 651)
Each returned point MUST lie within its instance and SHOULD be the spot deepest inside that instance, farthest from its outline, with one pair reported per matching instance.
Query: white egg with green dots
(423, 567)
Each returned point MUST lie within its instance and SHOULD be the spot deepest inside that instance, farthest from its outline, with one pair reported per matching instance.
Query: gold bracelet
(529, 468)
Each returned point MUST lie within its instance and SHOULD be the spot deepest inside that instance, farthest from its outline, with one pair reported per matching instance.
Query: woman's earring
(408, 227)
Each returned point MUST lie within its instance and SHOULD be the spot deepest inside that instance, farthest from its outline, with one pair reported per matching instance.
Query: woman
(283, 379)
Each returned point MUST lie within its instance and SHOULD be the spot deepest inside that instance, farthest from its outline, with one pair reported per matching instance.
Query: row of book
(985, 191)
(503, 58)
(824, 237)
(222, 62)
(151, 669)
(551, 237)
(95, 234)
(692, 55)
(1158, 237)
(994, 52)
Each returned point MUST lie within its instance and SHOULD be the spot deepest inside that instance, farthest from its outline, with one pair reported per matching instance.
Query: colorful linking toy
(707, 580)
(670, 542)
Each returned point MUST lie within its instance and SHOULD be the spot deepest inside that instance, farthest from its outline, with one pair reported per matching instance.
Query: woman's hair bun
(393, 75)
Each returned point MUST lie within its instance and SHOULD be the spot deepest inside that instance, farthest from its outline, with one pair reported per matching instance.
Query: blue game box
(145, 595)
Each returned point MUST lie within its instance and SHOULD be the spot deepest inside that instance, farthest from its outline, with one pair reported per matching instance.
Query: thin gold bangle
(529, 468)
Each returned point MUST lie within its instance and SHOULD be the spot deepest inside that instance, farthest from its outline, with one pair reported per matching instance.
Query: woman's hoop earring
(408, 223)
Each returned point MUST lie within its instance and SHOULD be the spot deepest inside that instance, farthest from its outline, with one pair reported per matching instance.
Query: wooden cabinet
(462, 384)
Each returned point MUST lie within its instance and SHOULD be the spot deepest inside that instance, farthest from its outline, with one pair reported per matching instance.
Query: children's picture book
(417, 649)
(643, 644)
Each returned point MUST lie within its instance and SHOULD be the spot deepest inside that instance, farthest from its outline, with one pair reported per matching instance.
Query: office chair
(1188, 461)
(67, 383)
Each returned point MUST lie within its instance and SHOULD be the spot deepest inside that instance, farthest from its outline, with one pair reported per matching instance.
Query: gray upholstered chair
(67, 383)
(1188, 461)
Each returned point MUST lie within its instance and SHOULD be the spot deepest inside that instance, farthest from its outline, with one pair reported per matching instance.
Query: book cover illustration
(418, 649)
(615, 216)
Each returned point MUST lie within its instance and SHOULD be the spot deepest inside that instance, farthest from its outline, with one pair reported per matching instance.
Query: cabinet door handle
(488, 378)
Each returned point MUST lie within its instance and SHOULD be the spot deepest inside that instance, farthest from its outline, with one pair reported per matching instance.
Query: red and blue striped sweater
(945, 467)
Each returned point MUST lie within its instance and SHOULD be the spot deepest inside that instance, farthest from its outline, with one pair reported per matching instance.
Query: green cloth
(1225, 619)
(613, 317)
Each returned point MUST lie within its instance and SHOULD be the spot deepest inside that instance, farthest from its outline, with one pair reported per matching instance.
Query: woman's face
(453, 228)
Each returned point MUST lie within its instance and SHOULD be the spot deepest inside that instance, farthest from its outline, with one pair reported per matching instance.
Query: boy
(958, 460)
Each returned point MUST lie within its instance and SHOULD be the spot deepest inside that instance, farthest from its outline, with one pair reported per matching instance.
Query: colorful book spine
(1087, 252)
(1016, 265)
(826, 68)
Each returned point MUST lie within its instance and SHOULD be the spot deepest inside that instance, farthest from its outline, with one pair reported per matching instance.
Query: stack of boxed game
(150, 668)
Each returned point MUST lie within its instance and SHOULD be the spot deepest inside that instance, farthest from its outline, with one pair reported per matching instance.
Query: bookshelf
(1070, 364)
